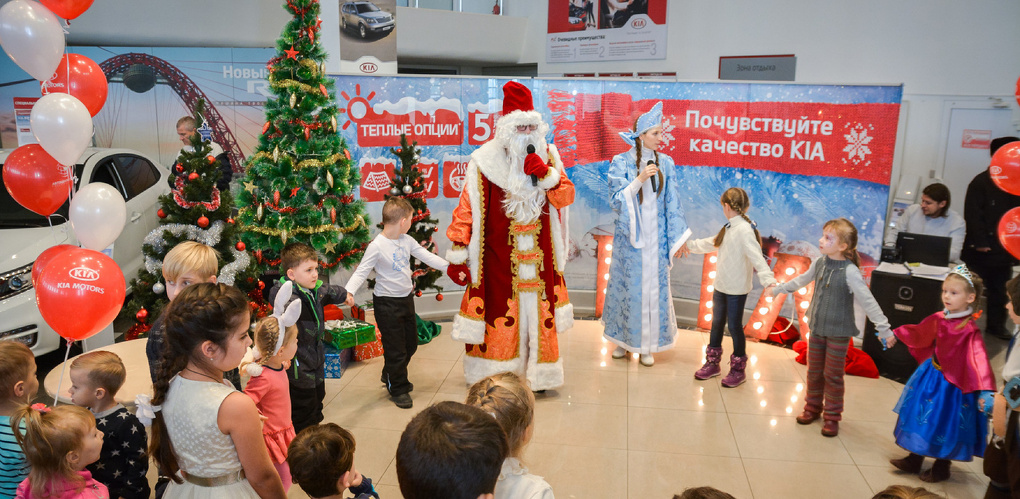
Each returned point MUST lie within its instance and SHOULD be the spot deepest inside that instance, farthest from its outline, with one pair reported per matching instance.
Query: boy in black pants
(300, 264)
(389, 254)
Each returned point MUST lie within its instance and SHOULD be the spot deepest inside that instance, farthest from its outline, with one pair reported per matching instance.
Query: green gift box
(349, 333)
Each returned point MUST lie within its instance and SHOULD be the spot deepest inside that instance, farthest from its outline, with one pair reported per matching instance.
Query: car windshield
(13, 215)
(367, 7)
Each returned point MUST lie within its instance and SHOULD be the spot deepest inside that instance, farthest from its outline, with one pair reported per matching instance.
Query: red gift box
(369, 350)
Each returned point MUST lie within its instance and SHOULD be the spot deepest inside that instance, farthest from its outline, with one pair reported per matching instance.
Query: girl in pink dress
(275, 345)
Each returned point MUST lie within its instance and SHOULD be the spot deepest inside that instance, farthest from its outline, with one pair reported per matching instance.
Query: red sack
(858, 363)
(332, 313)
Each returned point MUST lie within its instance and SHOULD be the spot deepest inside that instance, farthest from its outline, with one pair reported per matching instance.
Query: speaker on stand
(904, 300)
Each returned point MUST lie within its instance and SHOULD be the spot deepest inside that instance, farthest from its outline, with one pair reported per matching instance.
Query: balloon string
(63, 368)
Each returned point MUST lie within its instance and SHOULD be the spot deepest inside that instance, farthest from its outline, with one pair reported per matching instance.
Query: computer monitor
(924, 248)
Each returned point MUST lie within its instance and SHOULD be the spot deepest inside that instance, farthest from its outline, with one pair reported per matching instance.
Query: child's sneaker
(403, 401)
(619, 353)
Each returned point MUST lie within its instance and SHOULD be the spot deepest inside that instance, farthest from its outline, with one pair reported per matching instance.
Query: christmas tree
(409, 184)
(194, 210)
(299, 180)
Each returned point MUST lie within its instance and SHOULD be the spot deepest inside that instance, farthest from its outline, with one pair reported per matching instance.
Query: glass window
(106, 173)
(137, 174)
(436, 4)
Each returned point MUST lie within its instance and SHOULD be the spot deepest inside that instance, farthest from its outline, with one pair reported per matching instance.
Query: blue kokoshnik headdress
(645, 122)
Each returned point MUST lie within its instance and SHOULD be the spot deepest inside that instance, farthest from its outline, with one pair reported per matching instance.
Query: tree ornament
(160, 213)
(329, 179)
(158, 288)
(293, 100)
(276, 197)
(332, 121)
(203, 222)
(265, 128)
(211, 159)
(230, 221)
(142, 315)
(193, 176)
(276, 154)
(394, 191)
(322, 88)
(283, 236)
(262, 285)
(258, 213)
(439, 297)
(332, 215)
(308, 133)
(179, 167)
(239, 246)
(417, 293)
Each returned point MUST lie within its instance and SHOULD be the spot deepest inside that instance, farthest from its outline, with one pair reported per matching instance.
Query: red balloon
(1009, 231)
(68, 9)
(1005, 168)
(80, 292)
(88, 82)
(45, 257)
(35, 180)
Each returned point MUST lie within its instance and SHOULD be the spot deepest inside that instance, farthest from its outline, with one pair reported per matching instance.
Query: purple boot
(736, 375)
(711, 367)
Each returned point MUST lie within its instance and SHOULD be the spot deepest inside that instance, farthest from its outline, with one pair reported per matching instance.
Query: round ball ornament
(179, 167)
(160, 213)
(210, 159)
(193, 176)
(142, 315)
(394, 192)
(239, 246)
(439, 297)
(158, 288)
(203, 222)
(407, 189)
(417, 293)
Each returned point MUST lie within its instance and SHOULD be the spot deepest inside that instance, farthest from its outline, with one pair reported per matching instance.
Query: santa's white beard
(523, 201)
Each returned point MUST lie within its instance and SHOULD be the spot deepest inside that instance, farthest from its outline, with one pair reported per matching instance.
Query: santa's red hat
(516, 97)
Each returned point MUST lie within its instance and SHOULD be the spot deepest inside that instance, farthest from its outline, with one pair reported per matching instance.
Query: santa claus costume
(509, 235)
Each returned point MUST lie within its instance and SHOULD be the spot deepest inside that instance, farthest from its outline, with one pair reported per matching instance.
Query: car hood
(19, 247)
(382, 16)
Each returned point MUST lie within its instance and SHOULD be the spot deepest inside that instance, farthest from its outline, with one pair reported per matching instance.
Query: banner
(804, 153)
(606, 30)
(368, 37)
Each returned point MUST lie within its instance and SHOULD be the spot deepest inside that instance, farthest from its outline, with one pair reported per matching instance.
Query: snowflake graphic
(857, 144)
(377, 181)
(667, 127)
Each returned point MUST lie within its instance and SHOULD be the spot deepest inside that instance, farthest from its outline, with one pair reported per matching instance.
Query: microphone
(655, 188)
(534, 178)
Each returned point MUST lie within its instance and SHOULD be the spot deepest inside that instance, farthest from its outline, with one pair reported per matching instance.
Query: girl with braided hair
(739, 247)
(650, 232)
(509, 399)
(206, 435)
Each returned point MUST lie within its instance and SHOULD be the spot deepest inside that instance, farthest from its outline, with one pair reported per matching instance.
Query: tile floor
(617, 429)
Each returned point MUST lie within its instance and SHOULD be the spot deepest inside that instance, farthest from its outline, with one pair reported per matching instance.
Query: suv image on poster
(365, 18)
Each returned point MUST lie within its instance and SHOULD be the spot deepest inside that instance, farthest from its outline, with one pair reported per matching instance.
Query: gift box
(337, 361)
(369, 350)
(348, 333)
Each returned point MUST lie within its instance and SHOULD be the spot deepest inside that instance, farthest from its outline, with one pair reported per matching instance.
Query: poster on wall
(368, 37)
(605, 30)
(150, 89)
(804, 153)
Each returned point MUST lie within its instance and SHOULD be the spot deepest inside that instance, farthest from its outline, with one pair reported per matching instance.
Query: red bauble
(262, 285)
(142, 315)
(439, 297)
(239, 246)
(210, 159)
(230, 221)
(193, 176)
(179, 167)
(417, 293)
(160, 213)
(203, 222)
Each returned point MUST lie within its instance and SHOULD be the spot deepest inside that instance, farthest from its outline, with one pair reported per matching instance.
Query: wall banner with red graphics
(604, 30)
(805, 154)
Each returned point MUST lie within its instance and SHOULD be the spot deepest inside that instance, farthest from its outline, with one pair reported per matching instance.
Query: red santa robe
(516, 269)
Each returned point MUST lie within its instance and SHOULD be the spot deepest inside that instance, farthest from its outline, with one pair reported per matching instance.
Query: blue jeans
(728, 308)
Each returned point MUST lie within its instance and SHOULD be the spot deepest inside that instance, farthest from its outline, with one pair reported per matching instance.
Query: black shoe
(403, 401)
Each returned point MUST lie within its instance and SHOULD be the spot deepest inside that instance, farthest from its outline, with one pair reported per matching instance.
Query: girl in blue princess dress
(940, 412)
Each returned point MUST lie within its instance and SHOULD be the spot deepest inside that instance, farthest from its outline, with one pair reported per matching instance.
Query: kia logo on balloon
(1011, 227)
(84, 274)
(995, 170)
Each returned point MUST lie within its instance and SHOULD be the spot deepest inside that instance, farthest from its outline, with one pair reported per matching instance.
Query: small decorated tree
(409, 184)
(194, 210)
(299, 180)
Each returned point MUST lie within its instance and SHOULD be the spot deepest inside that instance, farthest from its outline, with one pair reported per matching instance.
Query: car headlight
(16, 281)
(372, 20)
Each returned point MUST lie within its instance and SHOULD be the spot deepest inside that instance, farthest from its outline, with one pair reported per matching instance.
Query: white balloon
(63, 126)
(98, 214)
(31, 35)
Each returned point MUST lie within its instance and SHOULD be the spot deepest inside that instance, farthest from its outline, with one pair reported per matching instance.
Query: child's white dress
(202, 450)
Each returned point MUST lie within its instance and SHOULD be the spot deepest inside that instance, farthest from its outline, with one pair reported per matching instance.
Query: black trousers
(994, 277)
(306, 406)
(395, 318)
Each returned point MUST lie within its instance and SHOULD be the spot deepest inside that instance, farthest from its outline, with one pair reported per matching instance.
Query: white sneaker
(619, 353)
(647, 360)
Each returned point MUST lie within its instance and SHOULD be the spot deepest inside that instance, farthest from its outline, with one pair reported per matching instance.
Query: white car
(24, 235)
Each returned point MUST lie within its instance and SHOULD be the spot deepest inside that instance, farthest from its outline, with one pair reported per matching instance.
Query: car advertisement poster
(606, 30)
(805, 154)
(368, 37)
